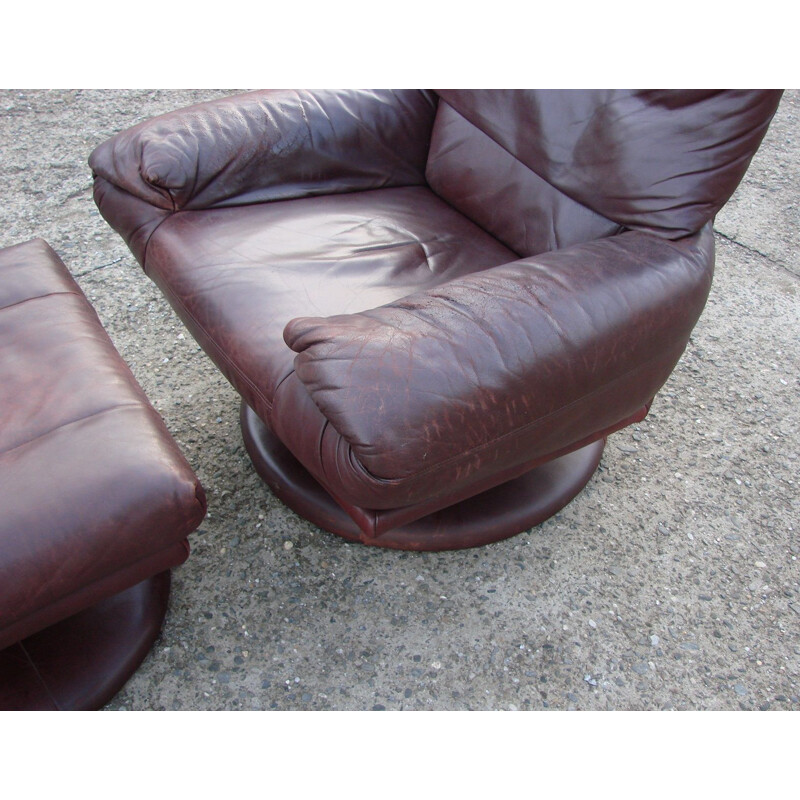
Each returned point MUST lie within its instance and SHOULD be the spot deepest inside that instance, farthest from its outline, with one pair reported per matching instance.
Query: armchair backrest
(544, 169)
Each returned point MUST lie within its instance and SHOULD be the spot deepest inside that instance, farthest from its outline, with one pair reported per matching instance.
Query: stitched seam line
(40, 297)
(527, 166)
(67, 424)
(39, 676)
(167, 216)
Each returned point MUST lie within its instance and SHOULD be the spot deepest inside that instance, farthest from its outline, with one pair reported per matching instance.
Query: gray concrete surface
(671, 582)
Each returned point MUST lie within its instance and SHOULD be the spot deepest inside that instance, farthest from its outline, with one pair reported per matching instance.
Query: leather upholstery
(95, 494)
(518, 280)
(265, 146)
(499, 368)
(322, 255)
(662, 161)
(493, 187)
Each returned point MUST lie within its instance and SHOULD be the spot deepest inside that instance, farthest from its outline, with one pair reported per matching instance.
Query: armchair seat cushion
(237, 276)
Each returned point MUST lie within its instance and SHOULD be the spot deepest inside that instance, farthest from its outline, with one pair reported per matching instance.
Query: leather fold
(271, 145)
(656, 160)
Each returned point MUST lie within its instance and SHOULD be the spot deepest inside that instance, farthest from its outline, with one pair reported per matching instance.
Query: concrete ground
(671, 582)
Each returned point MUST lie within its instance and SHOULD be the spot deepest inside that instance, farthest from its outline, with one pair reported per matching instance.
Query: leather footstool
(96, 499)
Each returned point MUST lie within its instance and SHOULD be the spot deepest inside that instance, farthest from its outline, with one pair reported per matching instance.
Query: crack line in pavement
(773, 261)
(94, 269)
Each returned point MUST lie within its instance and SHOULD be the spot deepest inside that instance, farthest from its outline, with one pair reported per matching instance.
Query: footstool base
(80, 663)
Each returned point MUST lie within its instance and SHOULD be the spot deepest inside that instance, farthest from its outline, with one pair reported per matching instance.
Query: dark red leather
(528, 289)
(662, 161)
(499, 368)
(94, 492)
(503, 195)
(327, 254)
(82, 661)
(266, 146)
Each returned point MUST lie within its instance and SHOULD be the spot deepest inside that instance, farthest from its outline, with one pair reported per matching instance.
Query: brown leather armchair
(435, 305)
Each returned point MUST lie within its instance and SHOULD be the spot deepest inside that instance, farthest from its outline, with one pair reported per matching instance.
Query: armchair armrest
(271, 144)
(504, 368)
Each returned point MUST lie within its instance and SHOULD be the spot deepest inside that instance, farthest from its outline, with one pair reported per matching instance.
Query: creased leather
(512, 362)
(271, 145)
(134, 219)
(663, 161)
(91, 483)
(496, 190)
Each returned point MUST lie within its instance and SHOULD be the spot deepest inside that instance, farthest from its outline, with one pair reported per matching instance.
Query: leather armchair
(435, 305)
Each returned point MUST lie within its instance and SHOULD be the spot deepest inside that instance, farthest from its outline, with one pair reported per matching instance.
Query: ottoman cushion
(95, 495)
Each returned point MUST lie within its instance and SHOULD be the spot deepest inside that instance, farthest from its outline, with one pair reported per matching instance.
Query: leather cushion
(91, 483)
(237, 276)
(663, 161)
(502, 194)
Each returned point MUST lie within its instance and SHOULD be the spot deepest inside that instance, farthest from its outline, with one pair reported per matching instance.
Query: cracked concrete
(671, 582)
(753, 251)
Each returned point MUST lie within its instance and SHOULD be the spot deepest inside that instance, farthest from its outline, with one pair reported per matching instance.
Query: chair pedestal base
(496, 514)
(80, 663)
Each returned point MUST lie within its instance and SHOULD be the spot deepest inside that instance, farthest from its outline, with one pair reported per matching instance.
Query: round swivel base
(496, 514)
(80, 663)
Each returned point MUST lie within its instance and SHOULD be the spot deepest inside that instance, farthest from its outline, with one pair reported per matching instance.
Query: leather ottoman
(96, 499)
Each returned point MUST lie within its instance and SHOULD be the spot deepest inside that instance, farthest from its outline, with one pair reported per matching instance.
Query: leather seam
(220, 352)
(167, 216)
(40, 297)
(39, 676)
(63, 425)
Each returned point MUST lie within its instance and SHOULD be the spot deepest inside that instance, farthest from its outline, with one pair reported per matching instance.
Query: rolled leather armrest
(446, 387)
(271, 144)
